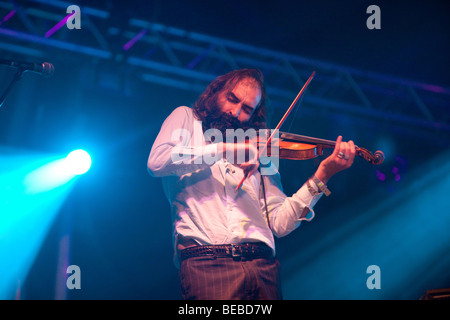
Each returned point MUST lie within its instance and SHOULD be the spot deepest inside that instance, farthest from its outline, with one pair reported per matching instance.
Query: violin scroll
(376, 158)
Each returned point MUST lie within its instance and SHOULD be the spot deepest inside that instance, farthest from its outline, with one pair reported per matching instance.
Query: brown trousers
(224, 278)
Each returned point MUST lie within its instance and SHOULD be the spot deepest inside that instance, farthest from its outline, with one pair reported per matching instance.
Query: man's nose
(236, 111)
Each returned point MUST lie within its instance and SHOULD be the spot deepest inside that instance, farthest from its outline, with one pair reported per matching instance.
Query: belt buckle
(234, 254)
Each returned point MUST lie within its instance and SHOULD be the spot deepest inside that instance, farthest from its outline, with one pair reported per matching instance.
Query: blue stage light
(33, 188)
(78, 162)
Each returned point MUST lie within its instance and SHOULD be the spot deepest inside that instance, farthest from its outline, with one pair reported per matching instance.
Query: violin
(298, 147)
(293, 146)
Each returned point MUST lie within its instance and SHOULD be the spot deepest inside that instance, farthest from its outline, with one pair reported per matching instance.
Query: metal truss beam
(189, 61)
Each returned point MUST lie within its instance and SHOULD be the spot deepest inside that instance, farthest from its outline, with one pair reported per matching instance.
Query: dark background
(117, 216)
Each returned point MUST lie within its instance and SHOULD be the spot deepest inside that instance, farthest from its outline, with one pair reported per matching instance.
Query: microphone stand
(17, 77)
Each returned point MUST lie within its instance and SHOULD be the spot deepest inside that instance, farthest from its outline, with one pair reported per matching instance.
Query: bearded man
(223, 237)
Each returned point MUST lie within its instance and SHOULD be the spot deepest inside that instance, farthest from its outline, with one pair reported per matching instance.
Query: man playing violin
(224, 237)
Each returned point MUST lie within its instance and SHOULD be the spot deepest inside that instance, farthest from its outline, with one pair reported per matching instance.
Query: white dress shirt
(205, 206)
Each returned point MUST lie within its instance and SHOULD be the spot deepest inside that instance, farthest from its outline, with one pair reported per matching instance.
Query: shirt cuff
(309, 201)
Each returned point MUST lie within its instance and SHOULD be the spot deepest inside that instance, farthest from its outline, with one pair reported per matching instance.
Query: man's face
(242, 100)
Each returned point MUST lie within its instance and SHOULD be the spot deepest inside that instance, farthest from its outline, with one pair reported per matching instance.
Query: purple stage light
(135, 39)
(380, 175)
(8, 16)
(58, 26)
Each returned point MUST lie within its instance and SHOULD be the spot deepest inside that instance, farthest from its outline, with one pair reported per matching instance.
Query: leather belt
(244, 250)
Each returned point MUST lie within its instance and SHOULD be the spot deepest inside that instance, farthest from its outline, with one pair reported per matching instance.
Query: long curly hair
(207, 110)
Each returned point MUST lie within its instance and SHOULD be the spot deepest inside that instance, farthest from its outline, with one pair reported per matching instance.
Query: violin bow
(279, 124)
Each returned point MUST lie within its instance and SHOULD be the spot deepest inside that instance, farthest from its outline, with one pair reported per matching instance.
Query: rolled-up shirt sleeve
(180, 147)
(285, 213)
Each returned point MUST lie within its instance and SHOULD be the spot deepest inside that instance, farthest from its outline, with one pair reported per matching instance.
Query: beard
(222, 121)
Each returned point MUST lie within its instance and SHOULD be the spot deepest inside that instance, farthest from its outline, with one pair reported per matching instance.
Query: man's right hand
(242, 155)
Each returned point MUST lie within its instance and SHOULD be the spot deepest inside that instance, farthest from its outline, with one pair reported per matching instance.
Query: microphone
(45, 69)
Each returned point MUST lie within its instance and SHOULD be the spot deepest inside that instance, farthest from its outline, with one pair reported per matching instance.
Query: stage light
(78, 162)
(33, 187)
(57, 172)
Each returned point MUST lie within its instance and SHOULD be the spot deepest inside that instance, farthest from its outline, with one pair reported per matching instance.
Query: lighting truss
(189, 61)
